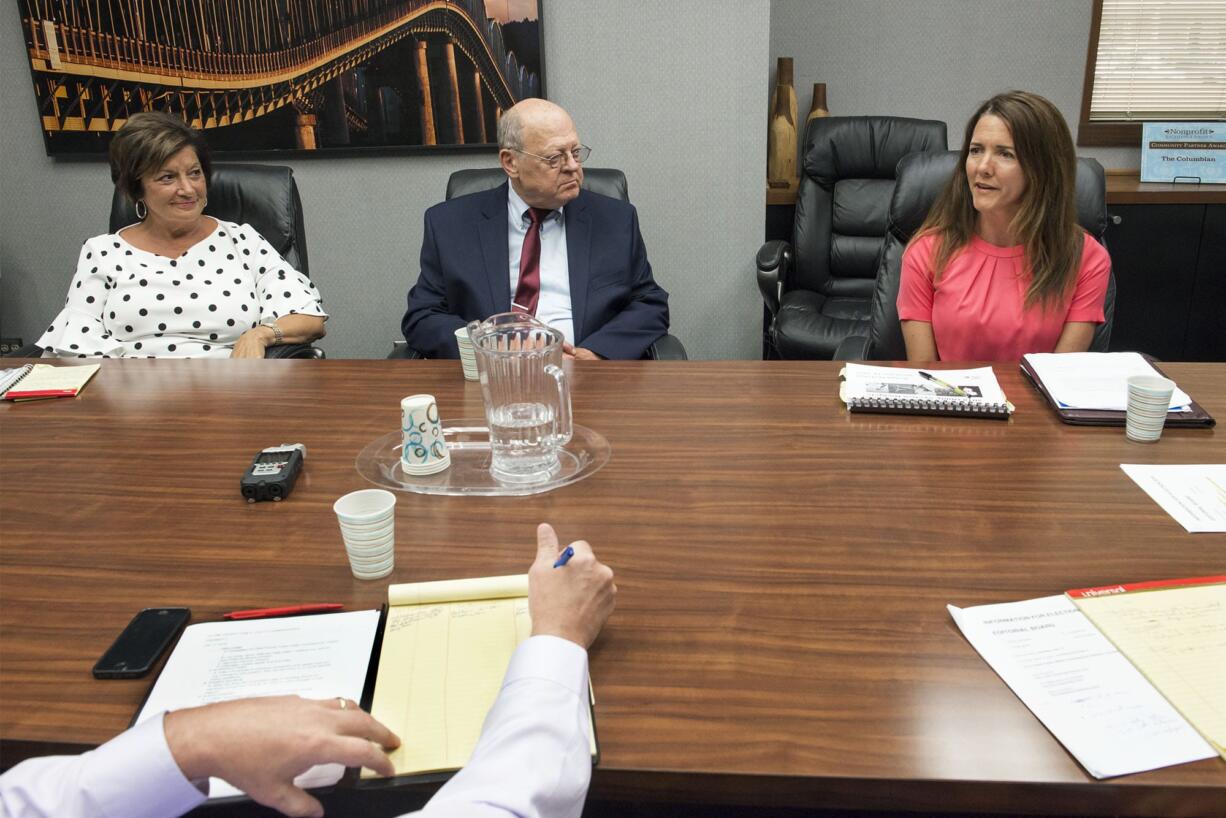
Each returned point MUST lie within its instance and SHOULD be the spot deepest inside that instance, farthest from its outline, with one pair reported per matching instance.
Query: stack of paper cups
(1149, 400)
(368, 527)
(467, 357)
(423, 449)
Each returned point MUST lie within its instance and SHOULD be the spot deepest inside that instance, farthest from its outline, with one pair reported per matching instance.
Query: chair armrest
(293, 351)
(853, 348)
(402, 351)
(774, 262)
(668, 348)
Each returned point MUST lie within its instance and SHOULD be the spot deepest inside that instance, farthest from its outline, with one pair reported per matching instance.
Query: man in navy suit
(538, 244)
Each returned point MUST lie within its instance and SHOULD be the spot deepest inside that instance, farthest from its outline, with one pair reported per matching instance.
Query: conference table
(781, 637)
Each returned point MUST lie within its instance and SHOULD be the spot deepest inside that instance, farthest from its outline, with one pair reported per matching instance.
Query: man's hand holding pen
(573, 601)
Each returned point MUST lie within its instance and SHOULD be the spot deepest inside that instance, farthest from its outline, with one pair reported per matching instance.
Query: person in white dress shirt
(533, 757)
(178, 283)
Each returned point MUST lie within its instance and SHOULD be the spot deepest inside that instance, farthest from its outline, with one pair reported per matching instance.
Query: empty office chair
(920, 180)
(605, 181)
(818, 287)
(264, 196)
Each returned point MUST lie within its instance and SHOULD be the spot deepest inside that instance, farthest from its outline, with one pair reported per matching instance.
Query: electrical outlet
(10, 345)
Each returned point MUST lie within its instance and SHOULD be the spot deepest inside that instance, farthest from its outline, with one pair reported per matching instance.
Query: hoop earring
(142, 212)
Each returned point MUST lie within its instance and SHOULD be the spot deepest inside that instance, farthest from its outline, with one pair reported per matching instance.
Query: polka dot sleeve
(281, 290)
(79, 331)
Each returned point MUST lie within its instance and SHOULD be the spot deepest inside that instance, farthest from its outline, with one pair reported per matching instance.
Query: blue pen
(565, 557)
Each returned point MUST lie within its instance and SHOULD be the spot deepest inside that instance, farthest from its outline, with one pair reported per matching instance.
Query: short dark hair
(147, 142)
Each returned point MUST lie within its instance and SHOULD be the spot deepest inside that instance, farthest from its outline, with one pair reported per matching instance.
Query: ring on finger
(344, 703)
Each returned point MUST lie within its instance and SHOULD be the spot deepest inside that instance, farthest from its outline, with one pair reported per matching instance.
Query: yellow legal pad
(1174, 632)
(446, 647)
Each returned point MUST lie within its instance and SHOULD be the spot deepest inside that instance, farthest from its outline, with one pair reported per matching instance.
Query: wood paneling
(783, 568)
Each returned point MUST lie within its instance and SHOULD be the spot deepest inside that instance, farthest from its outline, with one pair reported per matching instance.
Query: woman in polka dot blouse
(178, 283)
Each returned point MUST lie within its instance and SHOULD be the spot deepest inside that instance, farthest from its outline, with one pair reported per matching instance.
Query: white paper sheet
(1195, 495)
(316, 657)
(1080, 687)
(1095, 380)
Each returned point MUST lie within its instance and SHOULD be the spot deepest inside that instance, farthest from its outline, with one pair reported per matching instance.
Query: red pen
(288, 610)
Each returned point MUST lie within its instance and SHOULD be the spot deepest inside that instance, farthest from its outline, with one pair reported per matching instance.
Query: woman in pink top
(1000, 267)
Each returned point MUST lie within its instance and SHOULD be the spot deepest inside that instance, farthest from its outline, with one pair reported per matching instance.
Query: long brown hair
(1046, 220)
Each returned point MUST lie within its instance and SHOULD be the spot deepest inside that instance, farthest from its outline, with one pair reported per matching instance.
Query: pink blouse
(976, 310)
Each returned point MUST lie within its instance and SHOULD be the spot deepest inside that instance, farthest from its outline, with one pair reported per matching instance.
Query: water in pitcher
(523, 441)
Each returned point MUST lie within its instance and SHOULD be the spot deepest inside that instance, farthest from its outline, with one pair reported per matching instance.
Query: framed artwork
(304, 76)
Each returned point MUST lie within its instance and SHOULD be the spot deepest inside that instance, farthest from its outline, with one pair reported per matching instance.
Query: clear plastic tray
(469, 445)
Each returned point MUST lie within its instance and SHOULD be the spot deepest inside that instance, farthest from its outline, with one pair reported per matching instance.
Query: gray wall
(669, 92)
(937, 59)
(674, 93)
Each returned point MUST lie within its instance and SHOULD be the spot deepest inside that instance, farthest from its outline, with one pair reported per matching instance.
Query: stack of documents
(1095, 380)
(1127, 677)
(446, 648)
(317, 657)
(1091, 388)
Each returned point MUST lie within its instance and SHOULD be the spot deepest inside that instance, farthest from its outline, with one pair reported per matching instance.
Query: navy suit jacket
(618, 308)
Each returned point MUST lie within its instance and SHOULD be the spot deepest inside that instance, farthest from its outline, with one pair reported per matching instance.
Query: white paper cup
(1149, 400)
(365, 506)
(367, 520)
(468, 358)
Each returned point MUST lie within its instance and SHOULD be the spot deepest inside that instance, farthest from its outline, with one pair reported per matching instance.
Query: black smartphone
(138, 646)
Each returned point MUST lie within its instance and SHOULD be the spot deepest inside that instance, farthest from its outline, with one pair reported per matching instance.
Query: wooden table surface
(780, 636)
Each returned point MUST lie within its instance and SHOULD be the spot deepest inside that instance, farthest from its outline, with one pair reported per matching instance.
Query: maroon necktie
(528, 291)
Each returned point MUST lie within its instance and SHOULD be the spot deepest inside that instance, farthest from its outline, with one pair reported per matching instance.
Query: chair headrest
(922, 176)
(866, 147)
(606, 181)
(264, 196)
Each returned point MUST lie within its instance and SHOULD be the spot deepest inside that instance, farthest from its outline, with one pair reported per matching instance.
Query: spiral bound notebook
(970, 393)
(39, 381)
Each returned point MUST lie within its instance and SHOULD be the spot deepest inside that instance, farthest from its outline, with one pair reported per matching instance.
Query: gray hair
(511, 129)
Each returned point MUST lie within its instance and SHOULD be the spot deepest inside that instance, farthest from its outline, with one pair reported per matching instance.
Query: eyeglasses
(579, 154)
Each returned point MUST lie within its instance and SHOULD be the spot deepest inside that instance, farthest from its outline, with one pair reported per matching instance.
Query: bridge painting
(309, 75)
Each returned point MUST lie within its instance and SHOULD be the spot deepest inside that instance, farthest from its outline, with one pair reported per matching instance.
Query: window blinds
(1160, 59)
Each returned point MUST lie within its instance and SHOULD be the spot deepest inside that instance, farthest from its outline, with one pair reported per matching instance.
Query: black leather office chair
(264, 196)
(818, 288)
(606, 181)
(920, 180)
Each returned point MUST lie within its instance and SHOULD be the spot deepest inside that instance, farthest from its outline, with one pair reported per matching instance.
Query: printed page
(862, 381)
(1095, 380)
(440, 671)
(1080, 687)
(1195, 495)
(317, 657)
(1176, 637)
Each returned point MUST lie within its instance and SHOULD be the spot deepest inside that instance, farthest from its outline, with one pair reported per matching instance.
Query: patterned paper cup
(423, 449)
